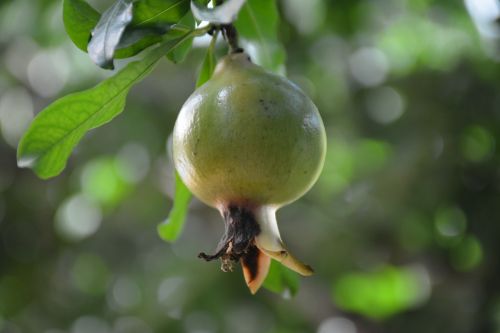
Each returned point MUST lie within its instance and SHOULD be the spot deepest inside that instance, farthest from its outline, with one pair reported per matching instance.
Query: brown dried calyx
(238, 239)
(244, 241)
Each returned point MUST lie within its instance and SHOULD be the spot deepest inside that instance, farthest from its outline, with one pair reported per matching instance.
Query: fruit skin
(248, 137)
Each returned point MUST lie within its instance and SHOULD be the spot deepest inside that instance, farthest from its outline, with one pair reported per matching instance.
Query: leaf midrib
(161, 13)
(74, 129)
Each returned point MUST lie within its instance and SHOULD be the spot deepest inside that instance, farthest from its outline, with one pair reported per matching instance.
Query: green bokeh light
(339, 167)
(450, 223)
(415, 232)
(347, 161)
(13, 295)
(467, 254)
(408, 46)
(101, 180)
(495, 315)
(371, 155)
(90, 274)
(477, 144)
(381, 293)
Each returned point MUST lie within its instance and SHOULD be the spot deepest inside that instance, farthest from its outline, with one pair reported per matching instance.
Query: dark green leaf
(79, 20)
(280, 279)
(135, 40)
(108, 32)
(133, 35)
(152, 19)
(208, 66)
(222, 14)
(173, 225)
(180, 53)
(54, 133)
(258, 24)
(159, 12)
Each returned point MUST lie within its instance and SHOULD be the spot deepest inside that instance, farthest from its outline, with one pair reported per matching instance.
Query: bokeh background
(402, 228)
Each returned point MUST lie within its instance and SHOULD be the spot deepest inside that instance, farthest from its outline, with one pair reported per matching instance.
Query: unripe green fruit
(248, 142)
(248, 136)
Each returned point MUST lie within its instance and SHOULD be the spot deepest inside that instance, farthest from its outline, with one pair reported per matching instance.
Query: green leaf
(135, 40)
(79, 20)
(108, 32)
(173, 225)
(208, 66)
(281, 280)
(222, 14)
(259, 20)
(258, 24)
(180, 53)
(53, 134)
(159, 12)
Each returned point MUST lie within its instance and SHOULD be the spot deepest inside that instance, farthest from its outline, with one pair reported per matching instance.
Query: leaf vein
(162, 12)
(251, 14)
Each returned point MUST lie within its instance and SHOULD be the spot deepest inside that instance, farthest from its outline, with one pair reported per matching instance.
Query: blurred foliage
(382, 293)
(402, 228)
(281, 280)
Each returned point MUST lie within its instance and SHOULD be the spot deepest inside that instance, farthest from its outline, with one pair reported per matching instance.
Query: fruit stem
(231, 36)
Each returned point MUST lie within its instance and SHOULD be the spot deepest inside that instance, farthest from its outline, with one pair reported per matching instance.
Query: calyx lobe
(252, 237)
(241, 228)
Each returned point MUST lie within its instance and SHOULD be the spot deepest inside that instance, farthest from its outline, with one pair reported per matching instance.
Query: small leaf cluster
(124, 29)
